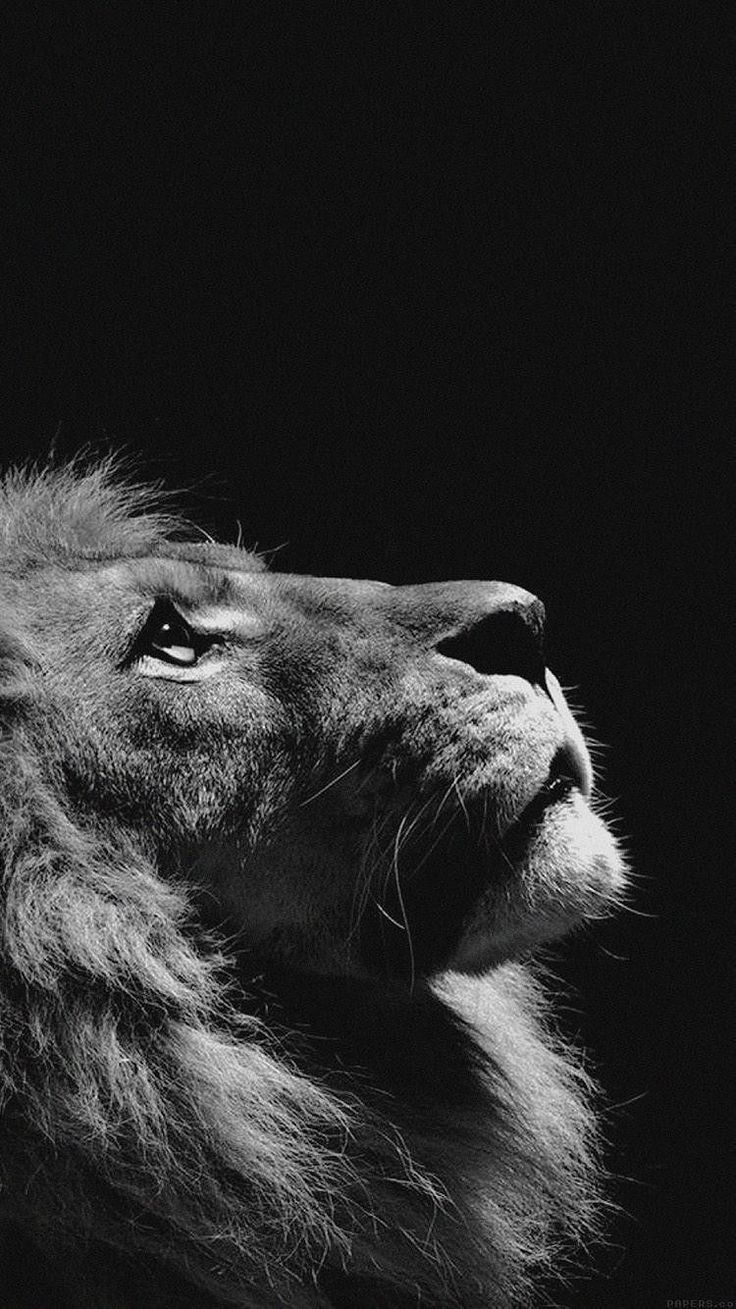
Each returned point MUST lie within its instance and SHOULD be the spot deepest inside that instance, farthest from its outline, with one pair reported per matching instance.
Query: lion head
(261, 833)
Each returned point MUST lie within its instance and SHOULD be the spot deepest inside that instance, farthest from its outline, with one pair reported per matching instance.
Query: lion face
(357, 777)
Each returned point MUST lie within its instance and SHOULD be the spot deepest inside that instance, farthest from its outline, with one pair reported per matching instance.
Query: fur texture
(218, 1084)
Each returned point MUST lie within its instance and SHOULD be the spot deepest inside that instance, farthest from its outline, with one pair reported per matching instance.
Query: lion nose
(504, 634)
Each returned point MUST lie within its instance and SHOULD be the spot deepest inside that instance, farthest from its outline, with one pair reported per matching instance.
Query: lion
(277, 855)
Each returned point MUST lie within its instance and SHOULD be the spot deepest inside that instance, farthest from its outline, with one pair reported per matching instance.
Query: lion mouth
(446, 880)
(566, 775)
(556, 789)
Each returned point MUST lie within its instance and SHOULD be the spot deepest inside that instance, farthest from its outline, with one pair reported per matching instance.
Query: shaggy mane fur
(175, 1131)
(62, 517)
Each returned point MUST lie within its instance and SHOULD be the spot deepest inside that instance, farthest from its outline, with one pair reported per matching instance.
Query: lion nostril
(499, 643)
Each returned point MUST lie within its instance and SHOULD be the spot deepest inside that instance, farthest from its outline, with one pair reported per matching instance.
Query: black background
(420, 293)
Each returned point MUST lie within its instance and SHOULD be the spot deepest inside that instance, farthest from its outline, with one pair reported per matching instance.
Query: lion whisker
(445, 795)
(401, 926)
(372, 857)
(329, 784)
(461, 800)
(435, 843)
(400, 897)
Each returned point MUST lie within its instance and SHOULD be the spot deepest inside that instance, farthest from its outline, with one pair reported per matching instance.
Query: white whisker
(327, 785)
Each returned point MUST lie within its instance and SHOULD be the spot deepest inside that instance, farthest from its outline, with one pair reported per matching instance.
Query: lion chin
(272, 852)
(566, 869)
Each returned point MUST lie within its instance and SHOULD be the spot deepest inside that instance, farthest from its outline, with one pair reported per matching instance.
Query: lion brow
(180, 579)
(214, 555)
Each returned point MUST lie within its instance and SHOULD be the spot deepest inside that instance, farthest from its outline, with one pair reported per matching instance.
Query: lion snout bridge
(494, 627)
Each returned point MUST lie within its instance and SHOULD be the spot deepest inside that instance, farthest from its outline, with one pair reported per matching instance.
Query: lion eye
(169, 637)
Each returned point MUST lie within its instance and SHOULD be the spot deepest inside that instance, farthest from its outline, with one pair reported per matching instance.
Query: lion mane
(200, 1104)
